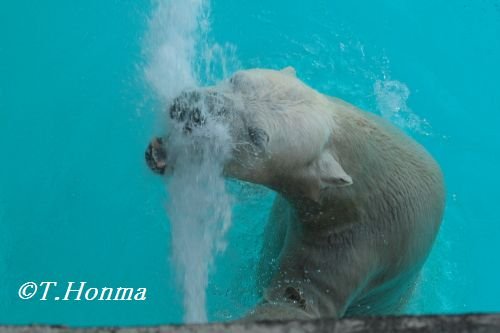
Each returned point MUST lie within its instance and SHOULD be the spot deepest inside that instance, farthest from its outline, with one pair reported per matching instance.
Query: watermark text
(78, 291)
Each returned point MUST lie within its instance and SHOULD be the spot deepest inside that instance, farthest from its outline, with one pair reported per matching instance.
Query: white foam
(178, 51)
(170, 46)
(199, 209)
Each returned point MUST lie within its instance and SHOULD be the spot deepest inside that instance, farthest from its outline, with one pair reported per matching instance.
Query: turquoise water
(77, 202)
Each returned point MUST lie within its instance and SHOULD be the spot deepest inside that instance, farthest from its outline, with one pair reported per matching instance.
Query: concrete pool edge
(483, 323)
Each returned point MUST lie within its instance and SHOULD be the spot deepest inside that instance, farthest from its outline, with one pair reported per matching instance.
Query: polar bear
(358, 202)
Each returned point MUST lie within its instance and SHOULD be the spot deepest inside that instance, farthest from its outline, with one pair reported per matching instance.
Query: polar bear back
(363, 251)
(397, 184)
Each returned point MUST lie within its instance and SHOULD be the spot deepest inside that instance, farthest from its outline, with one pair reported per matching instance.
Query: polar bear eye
(232, 81)
(236, 79)
(258, 137)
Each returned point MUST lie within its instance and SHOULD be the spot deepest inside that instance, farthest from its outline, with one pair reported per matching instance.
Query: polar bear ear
(331, 172)
(325, 172)
(290, 71)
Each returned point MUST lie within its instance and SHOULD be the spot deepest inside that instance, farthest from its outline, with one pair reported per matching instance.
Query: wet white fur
(359, 203)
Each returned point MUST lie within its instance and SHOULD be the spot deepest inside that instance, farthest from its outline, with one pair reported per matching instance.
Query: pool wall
(486, 323)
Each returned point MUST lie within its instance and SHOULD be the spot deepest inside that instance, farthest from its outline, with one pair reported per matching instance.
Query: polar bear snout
(193, 108)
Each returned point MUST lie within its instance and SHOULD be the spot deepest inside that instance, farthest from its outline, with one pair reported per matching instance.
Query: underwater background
(77, 202)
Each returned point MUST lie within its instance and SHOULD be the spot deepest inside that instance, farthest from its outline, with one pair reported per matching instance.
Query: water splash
(391, 97)
(199, 209)
(180, 55)
(170, 46)
(178, 50)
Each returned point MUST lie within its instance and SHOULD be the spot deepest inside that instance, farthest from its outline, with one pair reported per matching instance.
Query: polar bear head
(280, 131)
